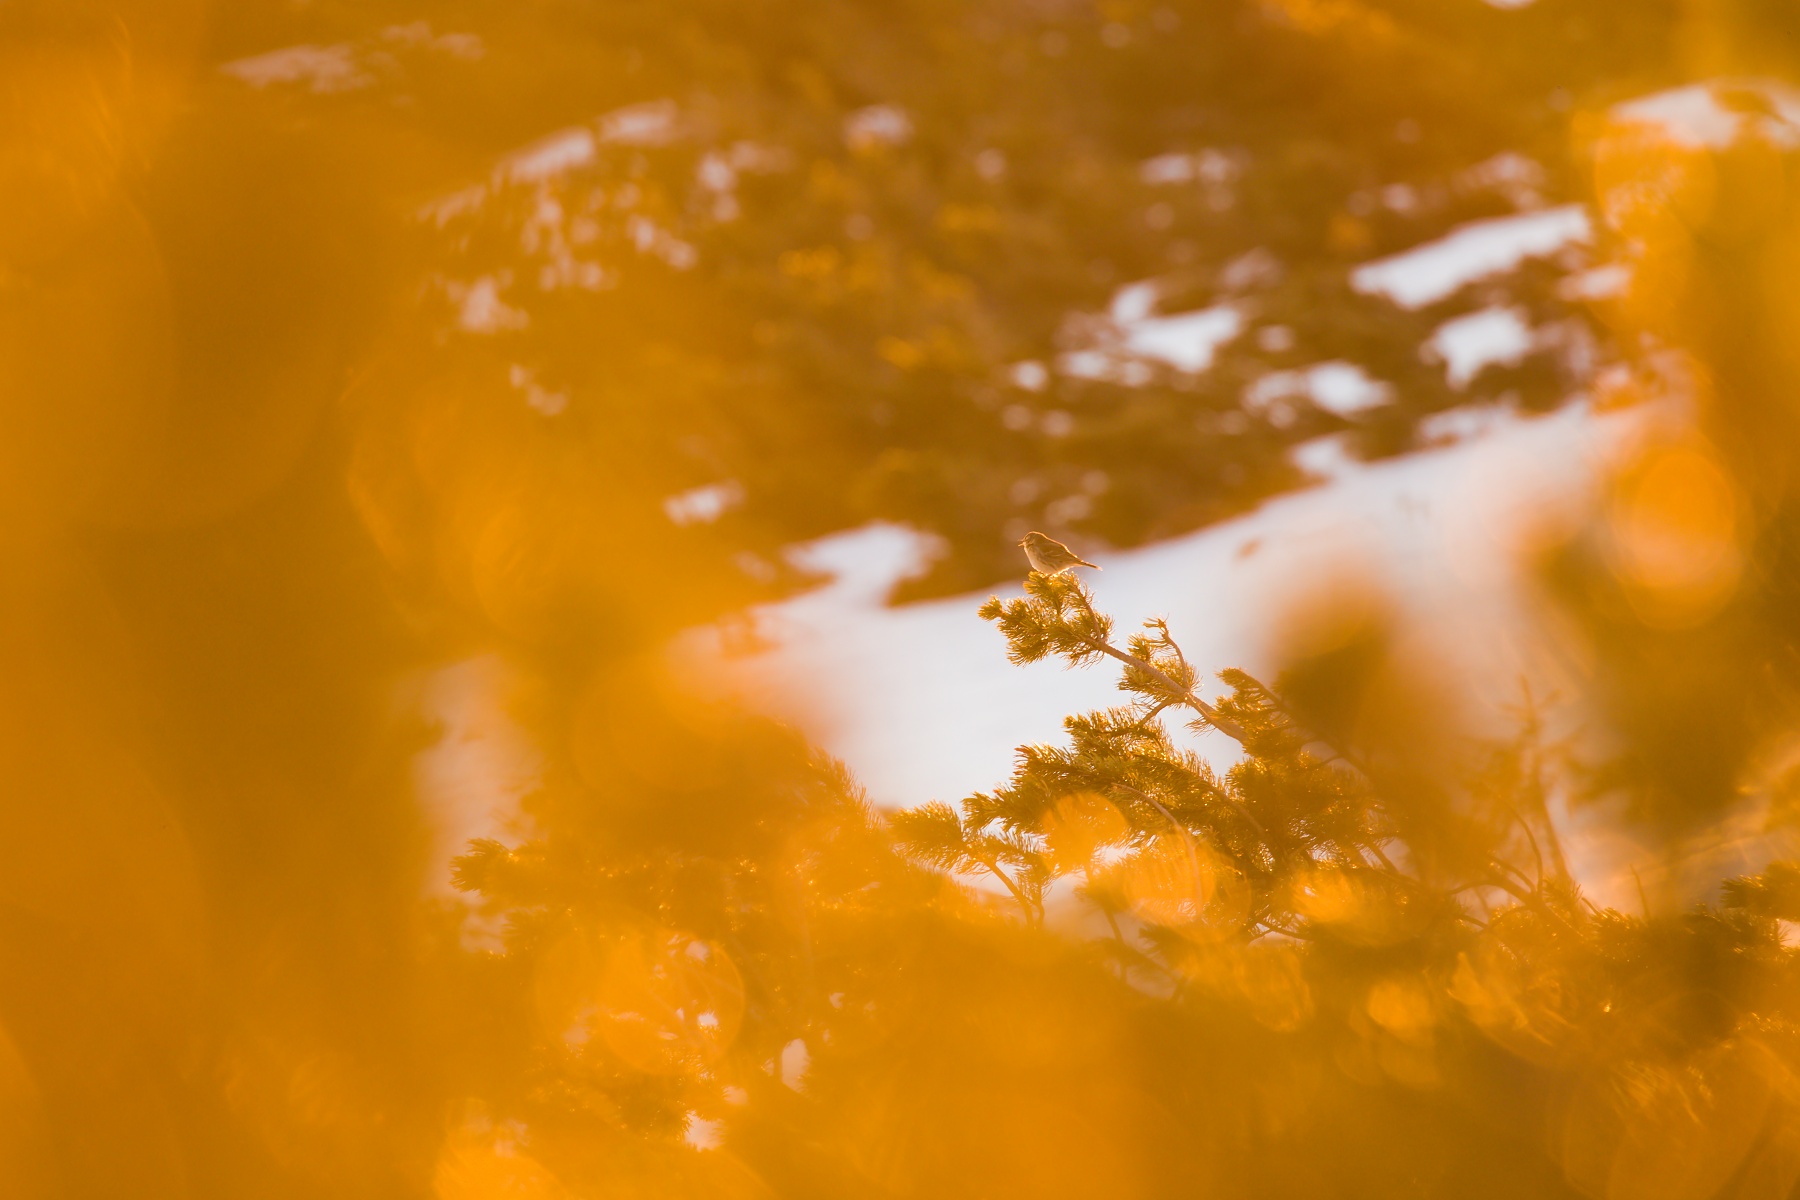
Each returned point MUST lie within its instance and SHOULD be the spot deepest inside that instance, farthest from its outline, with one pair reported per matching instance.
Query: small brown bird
(1049, 556)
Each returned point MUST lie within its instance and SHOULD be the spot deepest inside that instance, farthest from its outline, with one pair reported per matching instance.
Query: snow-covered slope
(922, 704)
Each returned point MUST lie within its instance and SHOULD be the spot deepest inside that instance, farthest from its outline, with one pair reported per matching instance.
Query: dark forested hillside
(833, 262)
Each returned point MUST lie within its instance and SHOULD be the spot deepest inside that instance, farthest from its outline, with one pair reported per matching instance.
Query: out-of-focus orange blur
(383, 386)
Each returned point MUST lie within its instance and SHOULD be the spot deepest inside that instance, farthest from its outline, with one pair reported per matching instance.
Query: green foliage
(1775, 893)
(1282, 892)
(1272, 819)
(1274, 971)
(1054, 618)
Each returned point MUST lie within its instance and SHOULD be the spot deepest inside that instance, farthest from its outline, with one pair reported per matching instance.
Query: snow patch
(704, 505)
(1465, 424)
(1518, 178)
(703, 1134)
(324, 69)
(1345, 389)
(1715, 114)
(1325, 458)
(419, 35)
(1133, 302)
(550, 156)
(1119, 345)
(1188, 341)
(1469, 344)
(1341, 388)
(1206, 166)
(652, 123)
(877, 125)
(793, 1064)
(479, 308)
(557, 153)
(1598, 283)
(537, 397)
(471, 780)
(1436, 270)
(864, 564)
(1031, 375)
(651, 239)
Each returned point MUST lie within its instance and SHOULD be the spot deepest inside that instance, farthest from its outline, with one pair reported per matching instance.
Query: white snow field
(921, 703)
(920, 700)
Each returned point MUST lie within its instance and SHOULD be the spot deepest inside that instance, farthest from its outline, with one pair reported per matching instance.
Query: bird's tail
(1084, 562)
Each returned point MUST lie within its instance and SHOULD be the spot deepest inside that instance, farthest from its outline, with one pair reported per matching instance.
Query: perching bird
(1049, 556)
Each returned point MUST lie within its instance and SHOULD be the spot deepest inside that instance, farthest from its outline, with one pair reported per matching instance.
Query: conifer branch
(1033, 915)
(1212, 715)
(1234, 805)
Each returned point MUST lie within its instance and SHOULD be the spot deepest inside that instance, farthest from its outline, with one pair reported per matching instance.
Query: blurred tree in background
(872, 260)
(345, 341)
